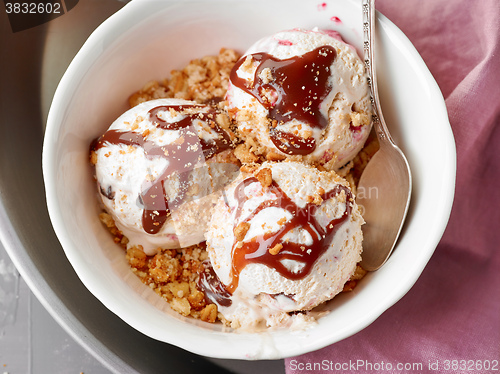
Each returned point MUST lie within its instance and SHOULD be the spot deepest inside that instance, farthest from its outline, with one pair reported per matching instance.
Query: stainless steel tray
(31, 64)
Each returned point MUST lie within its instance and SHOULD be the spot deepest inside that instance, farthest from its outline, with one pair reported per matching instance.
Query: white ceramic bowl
(146, 40)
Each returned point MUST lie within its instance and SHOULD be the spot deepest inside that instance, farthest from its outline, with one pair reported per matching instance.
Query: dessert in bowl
(114, 63)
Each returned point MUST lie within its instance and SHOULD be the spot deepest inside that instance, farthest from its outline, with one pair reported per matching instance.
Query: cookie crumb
(265, 177)
(209, 313)
(274, 156)
(241, 230)
(276, 249)
(243, 153)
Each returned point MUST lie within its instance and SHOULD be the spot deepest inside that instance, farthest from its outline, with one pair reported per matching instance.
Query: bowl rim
(115, 22)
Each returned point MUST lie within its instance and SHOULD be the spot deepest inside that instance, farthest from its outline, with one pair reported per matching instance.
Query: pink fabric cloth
(453, 311)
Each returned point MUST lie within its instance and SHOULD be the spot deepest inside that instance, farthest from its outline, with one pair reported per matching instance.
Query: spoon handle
(369, 20)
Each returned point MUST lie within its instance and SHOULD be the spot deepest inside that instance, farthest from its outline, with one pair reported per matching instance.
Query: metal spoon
(385, 186)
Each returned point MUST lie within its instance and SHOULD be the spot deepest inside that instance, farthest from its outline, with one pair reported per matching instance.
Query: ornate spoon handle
(369, 20)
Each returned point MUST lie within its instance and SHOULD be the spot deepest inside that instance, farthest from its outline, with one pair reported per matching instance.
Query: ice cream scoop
(302, 94)
(285, 238)
(158, 167)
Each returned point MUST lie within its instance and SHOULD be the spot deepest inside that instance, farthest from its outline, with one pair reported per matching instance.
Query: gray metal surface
(31, 64)
(30, 339)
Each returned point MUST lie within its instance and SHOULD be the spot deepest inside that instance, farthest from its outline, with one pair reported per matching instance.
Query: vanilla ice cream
(151, 171)
(285, 238)
(302, 94)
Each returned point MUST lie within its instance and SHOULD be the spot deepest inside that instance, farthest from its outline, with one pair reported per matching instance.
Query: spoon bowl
(384, 188)
(384, 194)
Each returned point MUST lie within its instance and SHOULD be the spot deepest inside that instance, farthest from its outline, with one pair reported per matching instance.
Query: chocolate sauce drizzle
(257, 250)
(182, 155)
(297, 88)
(212, 287)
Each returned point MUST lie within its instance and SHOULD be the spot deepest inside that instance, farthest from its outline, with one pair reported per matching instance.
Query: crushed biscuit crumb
(209, 313)
(201, 80)
(266, 75)
(274, 156)
(243, 153)
(241, 230)
(282, 221)
(276, 249)
(265, 177)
